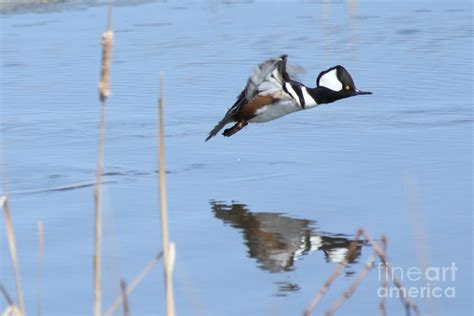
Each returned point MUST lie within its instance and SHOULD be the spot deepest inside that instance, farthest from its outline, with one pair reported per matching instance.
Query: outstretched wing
(267, 79)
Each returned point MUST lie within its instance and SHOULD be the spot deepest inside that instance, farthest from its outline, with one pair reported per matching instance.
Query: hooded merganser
(270, 93)
(277, 241)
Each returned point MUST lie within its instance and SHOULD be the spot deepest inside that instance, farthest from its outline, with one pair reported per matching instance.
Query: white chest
(275, 110)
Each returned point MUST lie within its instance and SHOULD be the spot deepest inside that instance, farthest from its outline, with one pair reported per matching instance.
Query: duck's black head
(336, 83)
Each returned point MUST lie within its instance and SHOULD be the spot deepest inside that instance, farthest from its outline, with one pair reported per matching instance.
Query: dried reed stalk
(119, 300)
(12, 310)
(123, 286)
(168, 264)
(40, 267)
(383, 309)
(420, 235)
(104, 93)
(6, 295)
(12, 246)
(355, 285)
(98, 218)
(408, 303)
(107, 42)
(340, 266)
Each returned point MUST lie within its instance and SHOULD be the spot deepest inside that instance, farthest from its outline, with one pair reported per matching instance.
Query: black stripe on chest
(298, 91)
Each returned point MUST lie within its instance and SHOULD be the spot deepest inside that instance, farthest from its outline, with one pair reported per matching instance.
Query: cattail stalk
(40, 267)
(12, 246)
(340, 266)
(383, 309)
(355, 285)
(167, 253)
(126, 309)
(6, 295)
(408, 303)
(119, 300)
(104, 93)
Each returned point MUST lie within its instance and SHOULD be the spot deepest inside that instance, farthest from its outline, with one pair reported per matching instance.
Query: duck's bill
(358, 92)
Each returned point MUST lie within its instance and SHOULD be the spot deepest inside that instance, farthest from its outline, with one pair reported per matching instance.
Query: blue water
(259, 219)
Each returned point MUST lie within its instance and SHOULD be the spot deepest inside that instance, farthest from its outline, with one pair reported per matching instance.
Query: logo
(436, 281)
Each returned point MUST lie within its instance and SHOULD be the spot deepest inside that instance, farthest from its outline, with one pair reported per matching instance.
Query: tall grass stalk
(355, 285)
(332, 277)
(6, 295)
(123, 287)
(104, 93)
(11, 309)
(12, 246)
(136, 281)
(383, 308)
(40, 268)
(168, 253)
(379, 252)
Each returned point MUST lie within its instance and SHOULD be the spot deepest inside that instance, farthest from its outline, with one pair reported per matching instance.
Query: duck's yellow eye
(348, 88)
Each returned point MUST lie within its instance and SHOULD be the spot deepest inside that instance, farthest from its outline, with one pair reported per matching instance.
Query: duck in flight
(270, 93)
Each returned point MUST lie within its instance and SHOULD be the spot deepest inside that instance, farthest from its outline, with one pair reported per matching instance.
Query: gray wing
(268, 78)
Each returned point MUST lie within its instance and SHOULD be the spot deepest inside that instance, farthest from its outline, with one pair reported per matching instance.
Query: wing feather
(267, 79)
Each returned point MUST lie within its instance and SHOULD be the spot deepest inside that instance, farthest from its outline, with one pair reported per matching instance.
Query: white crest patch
(330, 81)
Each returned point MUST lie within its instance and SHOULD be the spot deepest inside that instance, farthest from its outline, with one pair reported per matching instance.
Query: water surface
(259, 219)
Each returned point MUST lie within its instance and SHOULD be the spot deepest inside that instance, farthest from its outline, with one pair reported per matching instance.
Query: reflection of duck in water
(276, 241)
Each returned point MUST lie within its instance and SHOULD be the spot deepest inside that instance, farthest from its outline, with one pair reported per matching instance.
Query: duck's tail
(229, 116)
(217, 128)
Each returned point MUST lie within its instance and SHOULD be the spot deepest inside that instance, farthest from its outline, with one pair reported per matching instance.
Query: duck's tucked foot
(234, 129)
